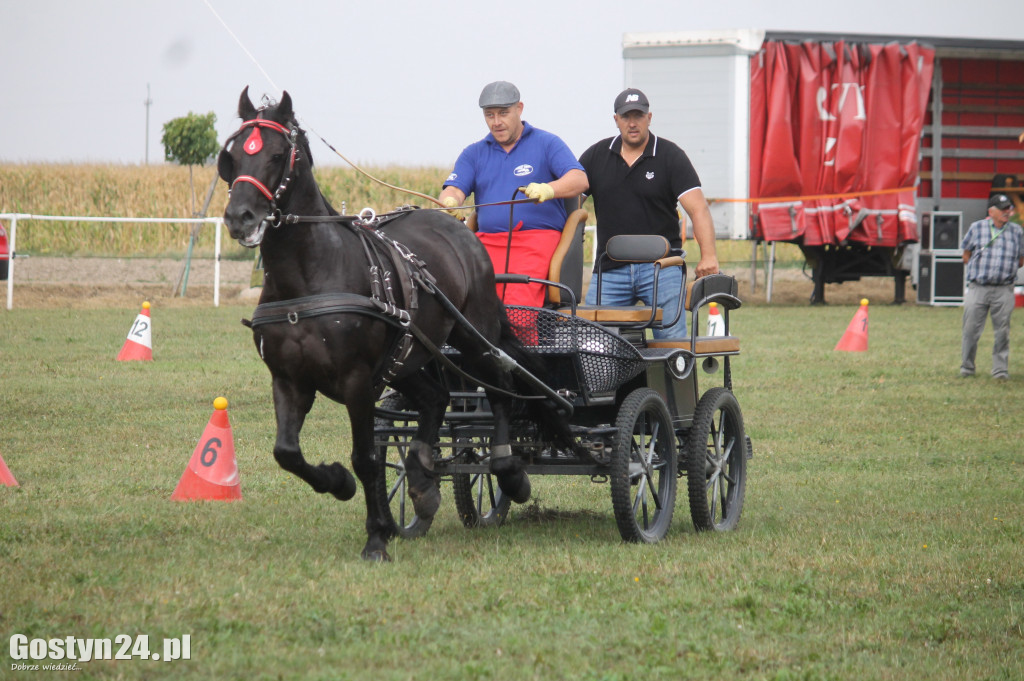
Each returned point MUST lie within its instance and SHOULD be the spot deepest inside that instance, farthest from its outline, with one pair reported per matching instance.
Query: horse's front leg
(291, 404)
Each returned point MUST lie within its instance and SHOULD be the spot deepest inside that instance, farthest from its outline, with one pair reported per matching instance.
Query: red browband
(262, 123)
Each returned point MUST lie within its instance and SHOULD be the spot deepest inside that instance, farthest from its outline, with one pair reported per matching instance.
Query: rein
(254, 144)
(367, 215)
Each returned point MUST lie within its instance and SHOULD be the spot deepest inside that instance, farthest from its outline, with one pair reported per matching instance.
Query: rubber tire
(717, 443)
(478, 499)
(642, 412)
(391, 479)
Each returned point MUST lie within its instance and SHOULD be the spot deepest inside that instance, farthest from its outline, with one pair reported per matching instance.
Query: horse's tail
(545, 413)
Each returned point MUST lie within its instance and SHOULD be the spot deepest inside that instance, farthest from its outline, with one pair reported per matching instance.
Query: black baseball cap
(631, 99)
(1000, 201)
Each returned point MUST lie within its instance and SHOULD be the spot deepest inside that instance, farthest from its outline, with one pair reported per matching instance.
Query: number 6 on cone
(212, 472)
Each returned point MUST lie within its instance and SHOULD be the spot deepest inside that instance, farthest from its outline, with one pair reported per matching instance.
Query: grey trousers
(979, 303)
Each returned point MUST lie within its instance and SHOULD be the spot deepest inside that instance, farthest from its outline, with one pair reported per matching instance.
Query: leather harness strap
(386, 258)
(293, 310)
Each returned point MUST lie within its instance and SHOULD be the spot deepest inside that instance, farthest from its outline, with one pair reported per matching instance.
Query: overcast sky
(385, 81)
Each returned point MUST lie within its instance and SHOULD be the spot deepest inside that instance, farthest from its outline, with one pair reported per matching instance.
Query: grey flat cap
(499, 93)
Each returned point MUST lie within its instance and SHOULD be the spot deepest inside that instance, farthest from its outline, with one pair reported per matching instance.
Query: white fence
(14, 218)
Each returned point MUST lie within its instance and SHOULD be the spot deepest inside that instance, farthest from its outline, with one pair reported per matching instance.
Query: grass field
(881, 538)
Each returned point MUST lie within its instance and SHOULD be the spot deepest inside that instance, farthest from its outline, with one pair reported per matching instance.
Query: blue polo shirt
(491, 174)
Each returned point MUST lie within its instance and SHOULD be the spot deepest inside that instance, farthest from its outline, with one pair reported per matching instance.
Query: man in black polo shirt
(636, 179)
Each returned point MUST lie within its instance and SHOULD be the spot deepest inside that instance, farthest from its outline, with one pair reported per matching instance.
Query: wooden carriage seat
(567, 261)
(717, 288)
(632, 248)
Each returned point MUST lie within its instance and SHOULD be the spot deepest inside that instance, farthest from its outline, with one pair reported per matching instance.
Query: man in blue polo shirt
(636, 179)
(993, 251)
(515, 154)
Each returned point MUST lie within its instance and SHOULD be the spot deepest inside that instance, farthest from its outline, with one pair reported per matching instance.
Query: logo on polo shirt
(650, 175)
(452, 177)
(522, 170)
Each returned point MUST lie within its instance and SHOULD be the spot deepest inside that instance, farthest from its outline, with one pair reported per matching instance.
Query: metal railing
(13, 239)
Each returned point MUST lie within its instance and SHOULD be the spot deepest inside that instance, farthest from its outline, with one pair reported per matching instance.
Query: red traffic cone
(716, 325)
(212, 472)
(139, 345)
(856, 337)
(6, 478)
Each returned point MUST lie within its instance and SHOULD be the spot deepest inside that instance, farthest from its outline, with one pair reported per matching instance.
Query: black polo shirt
(640, 199)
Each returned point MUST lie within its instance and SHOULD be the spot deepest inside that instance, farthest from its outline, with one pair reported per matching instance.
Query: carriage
(642, 418)
(407, 300)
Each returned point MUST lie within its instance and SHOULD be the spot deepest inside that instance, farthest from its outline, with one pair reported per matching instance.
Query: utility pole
(148, 103)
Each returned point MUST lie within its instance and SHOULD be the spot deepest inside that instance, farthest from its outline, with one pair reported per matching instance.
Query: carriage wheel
(716, 462)
(479, 500)
(643, 468)
(393, 488)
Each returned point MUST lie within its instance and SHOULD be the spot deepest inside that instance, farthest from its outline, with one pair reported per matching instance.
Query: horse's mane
(307, 152)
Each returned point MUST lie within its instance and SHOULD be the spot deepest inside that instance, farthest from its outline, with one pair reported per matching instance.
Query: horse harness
(392, 266)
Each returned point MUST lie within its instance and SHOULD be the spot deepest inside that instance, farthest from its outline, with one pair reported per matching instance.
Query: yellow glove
(450, 203)
(541, 191)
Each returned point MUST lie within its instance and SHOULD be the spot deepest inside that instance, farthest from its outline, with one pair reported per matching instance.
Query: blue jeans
(631, 283)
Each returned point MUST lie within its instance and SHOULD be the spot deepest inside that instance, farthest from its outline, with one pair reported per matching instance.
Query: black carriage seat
(632, 248)
(714, 288)
(566, 266)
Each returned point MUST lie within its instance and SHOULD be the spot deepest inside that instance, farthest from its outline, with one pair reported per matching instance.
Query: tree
(190, 140)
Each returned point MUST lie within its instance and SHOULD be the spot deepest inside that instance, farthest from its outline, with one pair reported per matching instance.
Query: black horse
(337, 315)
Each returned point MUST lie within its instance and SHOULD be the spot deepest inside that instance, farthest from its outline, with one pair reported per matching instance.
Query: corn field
(162, 191)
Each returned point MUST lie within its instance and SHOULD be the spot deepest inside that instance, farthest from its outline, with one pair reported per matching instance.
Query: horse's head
(258, 163)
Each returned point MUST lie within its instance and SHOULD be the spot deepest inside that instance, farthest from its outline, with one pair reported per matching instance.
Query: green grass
(881, 537)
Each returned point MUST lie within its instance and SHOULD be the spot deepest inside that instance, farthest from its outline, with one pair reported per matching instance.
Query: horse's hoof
(343, 484)
(512, 479)
(426, 501)
(376, 556)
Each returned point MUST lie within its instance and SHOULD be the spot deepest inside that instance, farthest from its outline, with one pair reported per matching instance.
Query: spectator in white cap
(515, 154)
(636, 179)
(993, 252)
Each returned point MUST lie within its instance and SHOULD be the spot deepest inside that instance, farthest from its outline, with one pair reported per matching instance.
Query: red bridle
(254, 144)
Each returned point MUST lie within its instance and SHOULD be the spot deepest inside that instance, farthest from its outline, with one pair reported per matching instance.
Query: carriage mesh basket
(603, 360)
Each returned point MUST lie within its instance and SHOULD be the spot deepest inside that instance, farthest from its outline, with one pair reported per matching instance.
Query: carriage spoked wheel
(643, 468)
(478, 499)
(395, 490)
(716, 462)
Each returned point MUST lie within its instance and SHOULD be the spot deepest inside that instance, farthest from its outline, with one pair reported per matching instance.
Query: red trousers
(530, 254)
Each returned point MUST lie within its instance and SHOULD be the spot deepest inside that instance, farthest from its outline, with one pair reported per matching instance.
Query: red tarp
(837, 118)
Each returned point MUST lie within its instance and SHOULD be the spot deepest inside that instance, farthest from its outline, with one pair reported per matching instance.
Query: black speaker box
(940, 279)
(942, 231)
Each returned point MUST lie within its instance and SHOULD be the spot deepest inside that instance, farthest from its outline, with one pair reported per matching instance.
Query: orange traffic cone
(139, 345)
(856, 337)
(212, 472)
(6, 478)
